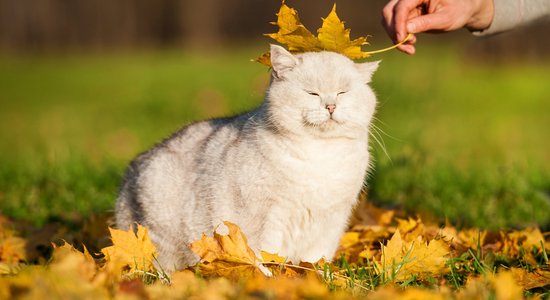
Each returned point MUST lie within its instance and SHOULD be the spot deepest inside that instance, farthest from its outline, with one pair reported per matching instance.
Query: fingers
(403, 11)
(408, 47)
(435, 21)
(387, 19)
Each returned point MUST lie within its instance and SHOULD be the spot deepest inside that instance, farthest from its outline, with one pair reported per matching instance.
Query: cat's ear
(367, 69)
(281, 60)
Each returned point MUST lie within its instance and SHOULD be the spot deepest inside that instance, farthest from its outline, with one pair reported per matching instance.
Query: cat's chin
(322, 125)
(329, 128)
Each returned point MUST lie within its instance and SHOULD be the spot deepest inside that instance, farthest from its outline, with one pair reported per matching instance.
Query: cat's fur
(288, 173)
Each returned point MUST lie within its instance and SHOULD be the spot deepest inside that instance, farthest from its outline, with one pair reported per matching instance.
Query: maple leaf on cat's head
(332, 36)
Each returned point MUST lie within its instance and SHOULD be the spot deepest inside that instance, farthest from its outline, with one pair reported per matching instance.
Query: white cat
(288, 173)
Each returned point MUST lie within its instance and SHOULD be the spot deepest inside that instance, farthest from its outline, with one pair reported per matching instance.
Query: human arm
(401, 17)
(480, 16)
(513, 13)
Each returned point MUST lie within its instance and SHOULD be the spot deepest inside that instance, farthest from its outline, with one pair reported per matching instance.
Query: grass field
(465, 142)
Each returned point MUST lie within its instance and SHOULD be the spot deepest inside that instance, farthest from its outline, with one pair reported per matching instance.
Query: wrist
(482, 15)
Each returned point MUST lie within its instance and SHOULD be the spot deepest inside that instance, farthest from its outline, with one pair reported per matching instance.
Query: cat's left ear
(367, 69)
(281, 60)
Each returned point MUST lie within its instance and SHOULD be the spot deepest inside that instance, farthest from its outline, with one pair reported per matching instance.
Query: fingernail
(411, 27)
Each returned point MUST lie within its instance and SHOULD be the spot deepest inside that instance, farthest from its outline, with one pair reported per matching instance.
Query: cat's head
(323, 94)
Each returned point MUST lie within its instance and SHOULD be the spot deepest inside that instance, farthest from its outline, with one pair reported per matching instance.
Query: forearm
(512, 13)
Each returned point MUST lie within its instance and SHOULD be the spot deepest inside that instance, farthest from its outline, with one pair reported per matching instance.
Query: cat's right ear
(281, 60)
(367, 69)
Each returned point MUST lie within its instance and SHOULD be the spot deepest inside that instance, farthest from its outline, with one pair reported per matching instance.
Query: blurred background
(462, 126)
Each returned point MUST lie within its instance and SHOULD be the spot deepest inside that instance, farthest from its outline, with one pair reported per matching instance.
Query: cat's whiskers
(375, 134)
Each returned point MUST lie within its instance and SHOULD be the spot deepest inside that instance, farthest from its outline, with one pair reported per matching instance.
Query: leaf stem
(391, 47)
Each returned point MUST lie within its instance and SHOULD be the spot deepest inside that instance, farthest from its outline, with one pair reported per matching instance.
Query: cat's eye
(312, 93)
(341, 93)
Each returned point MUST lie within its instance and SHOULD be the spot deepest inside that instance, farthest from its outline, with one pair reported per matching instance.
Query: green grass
(466, 142)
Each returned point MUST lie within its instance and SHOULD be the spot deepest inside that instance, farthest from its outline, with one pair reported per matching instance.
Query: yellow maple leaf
(333, 36)
(66, 259)
(269, 257)
(400, 259)
(425, 259)
(292, 32)
(472, 238)
(392, 255)
(410, 228)
(226, 255)
(516, 242)
(130, 250)
(71, 274)
(530, 280)
(349, 239)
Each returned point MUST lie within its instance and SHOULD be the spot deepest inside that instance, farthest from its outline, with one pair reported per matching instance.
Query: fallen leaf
(12, 249)
(401, 259)
(130, 250)
(269, 257)
(392, 256)
(226, 255)
(67, 260)
(530, 280)
(410, 228)
(425, 259)
(506, 287)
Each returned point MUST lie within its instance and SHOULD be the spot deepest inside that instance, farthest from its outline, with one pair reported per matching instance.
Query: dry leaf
(425, 259)
(292, 32)
(392, 256)
(401, 259)
(332, 36)
(415, 250)
(269, 257)
(517, 242)
(506, 287)
(67, 260)
(411, 293)
(226, 255)
(130, 250)
(410, 228)
(531, 280)
(308, 287)
(12, 247)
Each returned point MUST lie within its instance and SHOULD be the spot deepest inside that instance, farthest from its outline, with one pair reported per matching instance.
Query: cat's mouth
(323, 125)
(321, 120)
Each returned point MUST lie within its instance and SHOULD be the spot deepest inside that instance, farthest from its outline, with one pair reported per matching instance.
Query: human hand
(401, 17)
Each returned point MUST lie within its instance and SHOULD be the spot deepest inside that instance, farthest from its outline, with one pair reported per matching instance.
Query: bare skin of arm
(401, 17)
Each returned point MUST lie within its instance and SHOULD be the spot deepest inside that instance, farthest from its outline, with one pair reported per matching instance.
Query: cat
(288, 173)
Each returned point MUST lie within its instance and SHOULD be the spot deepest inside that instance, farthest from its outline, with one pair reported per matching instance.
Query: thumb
(435, 21)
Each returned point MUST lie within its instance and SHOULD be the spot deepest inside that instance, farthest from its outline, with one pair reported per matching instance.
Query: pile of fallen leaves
(388, 258)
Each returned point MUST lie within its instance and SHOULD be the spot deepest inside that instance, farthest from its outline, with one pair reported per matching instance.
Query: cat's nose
(330, 108)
